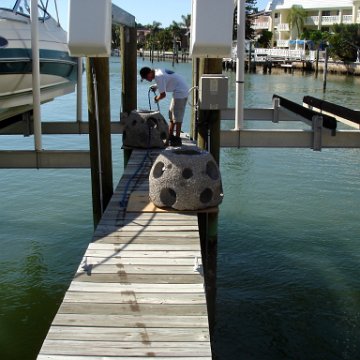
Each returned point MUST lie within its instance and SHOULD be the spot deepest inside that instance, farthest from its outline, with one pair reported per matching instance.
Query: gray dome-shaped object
(145, 129)
(185, 179)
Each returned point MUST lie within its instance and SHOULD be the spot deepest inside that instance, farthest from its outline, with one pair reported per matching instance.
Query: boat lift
(40, 158)
(237, 137)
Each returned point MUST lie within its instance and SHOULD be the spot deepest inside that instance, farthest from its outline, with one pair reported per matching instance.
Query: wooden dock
(139, 291)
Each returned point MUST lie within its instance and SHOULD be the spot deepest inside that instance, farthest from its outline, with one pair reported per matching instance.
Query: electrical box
(90, 28)
(213, 92)
(211, 28)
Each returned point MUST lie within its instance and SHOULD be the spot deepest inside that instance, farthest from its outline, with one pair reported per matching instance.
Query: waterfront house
(320, 15)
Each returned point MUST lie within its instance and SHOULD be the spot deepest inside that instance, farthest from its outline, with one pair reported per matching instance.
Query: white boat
(58, 70)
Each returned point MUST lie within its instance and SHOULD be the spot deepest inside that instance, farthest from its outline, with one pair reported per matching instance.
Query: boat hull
(58, 71)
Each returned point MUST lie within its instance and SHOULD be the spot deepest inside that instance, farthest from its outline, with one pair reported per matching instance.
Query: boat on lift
(58, 71)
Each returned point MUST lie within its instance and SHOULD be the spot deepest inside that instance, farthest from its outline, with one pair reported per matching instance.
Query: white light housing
(90, 28)
(211, 28)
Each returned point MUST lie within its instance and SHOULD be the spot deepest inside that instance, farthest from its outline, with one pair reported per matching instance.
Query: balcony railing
(312, 20)
(283, 27)
(347, 19)
(282, 43)
(257, 25)
(329, 20)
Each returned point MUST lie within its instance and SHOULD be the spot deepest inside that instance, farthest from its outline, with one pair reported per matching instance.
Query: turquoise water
(289, 235)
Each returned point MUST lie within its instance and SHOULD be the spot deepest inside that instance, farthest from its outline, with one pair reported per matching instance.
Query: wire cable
(157, 103)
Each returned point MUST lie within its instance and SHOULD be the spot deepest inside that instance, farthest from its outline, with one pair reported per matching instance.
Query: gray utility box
(213, 94)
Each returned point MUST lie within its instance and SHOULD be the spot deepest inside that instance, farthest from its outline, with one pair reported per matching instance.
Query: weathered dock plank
(138, 292)
(128, 298)
(66, 357)
(131, 321)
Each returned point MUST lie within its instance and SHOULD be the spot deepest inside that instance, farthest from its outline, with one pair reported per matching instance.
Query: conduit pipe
(79, 86)
(35, 74)
(240, 61)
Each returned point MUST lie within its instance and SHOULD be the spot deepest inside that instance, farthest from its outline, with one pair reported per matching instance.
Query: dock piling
(99, 134)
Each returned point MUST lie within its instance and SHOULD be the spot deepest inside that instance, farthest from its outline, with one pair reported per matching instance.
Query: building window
(325, 13)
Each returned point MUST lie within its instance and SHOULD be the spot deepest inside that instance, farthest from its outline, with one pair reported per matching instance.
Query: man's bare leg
(178, 128)
(171, 128)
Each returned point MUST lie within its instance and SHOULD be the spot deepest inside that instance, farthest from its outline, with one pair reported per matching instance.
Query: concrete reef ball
(185, 179)
(145, 129)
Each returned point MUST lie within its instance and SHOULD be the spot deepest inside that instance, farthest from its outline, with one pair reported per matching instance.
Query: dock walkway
(139, 291)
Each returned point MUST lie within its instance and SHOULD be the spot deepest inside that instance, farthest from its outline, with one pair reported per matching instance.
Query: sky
(147, 11)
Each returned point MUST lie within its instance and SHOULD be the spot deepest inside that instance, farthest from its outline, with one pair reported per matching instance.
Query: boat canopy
(22, 7)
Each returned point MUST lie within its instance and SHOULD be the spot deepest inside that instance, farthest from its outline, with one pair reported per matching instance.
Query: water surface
(289, 234)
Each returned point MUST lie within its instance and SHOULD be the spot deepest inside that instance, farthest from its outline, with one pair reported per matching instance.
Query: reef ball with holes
(185, 178)
(145, 129)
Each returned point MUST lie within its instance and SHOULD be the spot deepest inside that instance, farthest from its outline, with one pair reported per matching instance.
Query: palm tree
(176, 32)
(175, 29)
(297, 17)
(154, 29)
(186, 22)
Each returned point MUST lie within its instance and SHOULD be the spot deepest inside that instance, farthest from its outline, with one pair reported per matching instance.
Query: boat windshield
(22, 7)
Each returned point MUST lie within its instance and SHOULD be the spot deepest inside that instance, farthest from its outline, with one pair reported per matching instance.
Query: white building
(320, 15)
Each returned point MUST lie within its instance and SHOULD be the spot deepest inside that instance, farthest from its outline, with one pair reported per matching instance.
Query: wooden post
(250, 62)
(317, 62)
(173, 52)
(325, 69)
(129, 75)
(98, 90)
(209, 139)
(129, 69)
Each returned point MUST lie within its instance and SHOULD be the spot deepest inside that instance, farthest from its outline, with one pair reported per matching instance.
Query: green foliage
(319, 38)
(344, 42)
(250, 8)
(175, 29)
(297, 17)
(164, 38)
(186, 21)
(264, 40)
